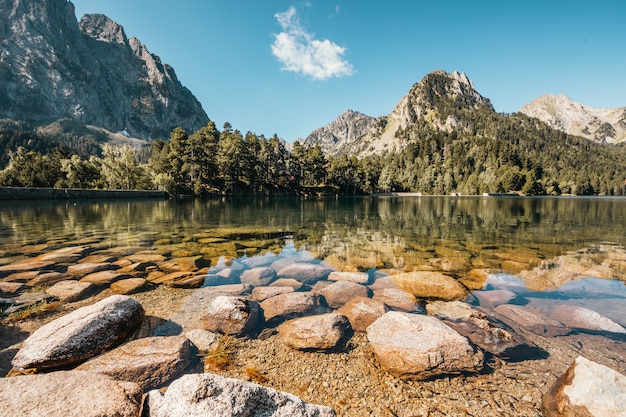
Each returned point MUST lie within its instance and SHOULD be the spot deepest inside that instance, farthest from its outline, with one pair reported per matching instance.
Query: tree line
(487, 152)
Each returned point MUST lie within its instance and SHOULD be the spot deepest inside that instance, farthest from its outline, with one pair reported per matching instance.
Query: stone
(128, 286)
(397, 299)
(204, 340)
(290, 305)
(363, 311)
(492, 298)
(287, 282)
(226, 276)
(263, 293)
(260, 276)
(48, 278)
(25, 265)
(80, 335)
(531, 319)
(104, 277)
(474, 325)
(420, 347)
(69, 393)
(324, 332)
(305, 273)
(170, 278)
(82, 269)
(340, 292)
(231, 315)
(71, 290)
(66, 255)
(475, 278)
(358, 277)
(581, 318)
(146, 256)
(24, 301)
(209, 395)
(586, 389)
(11, 287)
(149, 362)
(431, 285)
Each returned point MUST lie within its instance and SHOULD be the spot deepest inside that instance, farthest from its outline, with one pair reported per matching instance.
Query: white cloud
(300, 52)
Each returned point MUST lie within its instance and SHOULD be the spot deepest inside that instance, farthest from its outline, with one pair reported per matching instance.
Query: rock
(305, 273)
(324, 332)
(82, 269)
(11, 287)
(475, 278)
(263, 293)
(258, 276)
(128, 286)
(431, 285)
(474, 325)
(581, 318)
(290, 305)
(80, 335)
(363, 311)
(231, 315)
(149, 362)
(66, 255)
(397, 299)
(358, 277)
(383, 282)
(69, 393)
(71, 290)
(209, 395)
(287, 282)
(530, 319)
(494, 298)
(204, 340)
(25, 265)
(586, 389)
(226, 276)
(104, 277)
(421, 347)
(146, 256)
(24, 301)
(340, 292)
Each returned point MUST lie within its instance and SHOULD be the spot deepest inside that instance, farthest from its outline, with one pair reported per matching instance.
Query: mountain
(430, 100)
(53, 67)
(562, 113)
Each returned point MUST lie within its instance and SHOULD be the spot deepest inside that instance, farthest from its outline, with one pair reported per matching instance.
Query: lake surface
(545, 248)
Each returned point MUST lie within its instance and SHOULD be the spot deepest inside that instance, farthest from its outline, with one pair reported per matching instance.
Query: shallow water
(538, 248)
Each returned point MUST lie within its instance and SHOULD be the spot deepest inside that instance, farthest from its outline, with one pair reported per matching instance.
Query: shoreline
(30, 193)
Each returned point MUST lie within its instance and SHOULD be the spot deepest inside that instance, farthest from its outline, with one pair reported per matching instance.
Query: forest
(487, 152)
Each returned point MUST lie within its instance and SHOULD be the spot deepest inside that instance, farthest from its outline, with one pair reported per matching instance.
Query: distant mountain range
(53, 68)
(560, 112)
(355, 133)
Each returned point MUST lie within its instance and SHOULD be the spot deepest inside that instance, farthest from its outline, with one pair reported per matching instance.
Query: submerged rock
(324, 332)
(431, 285)
(340, 292)
(149, 362)
(258, 276)
(231, 315)
(586, 389)
(209, 395)
(69, 393)
(306, 273)
(421, 347)
(290, 305)
(530, 319)
(397, 299)
(80, 335)
(71, 290)
(581, 318)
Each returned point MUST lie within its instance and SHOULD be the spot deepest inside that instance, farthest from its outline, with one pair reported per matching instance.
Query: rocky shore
(293, 335)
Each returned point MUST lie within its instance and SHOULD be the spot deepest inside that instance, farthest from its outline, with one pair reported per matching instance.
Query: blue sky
(289, 67)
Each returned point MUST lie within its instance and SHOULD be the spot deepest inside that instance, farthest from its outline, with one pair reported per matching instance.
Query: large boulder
(531, 319)
(474, 325)
(430, 285)
(149, 362)
(324, 332)
(231, 315)
(362, 312)
(290, 305)
(421, 347)
(581, 318)
(340, 292)
(258, 277)
(80, 335)
(586, 389)
(305, 272)
(209, 395)
(69, 393)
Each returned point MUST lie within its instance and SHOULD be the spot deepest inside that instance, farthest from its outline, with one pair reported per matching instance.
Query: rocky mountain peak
(345, 129)
(562, 113)
(101, 28)
(54, 67)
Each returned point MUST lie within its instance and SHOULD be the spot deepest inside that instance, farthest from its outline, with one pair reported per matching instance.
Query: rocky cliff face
(53, 67)
(560, 112)
(434, 98)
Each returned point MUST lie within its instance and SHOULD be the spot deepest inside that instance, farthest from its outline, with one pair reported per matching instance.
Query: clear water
(522, 242)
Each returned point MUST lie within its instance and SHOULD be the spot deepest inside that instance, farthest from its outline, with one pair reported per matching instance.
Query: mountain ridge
(55, 67)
